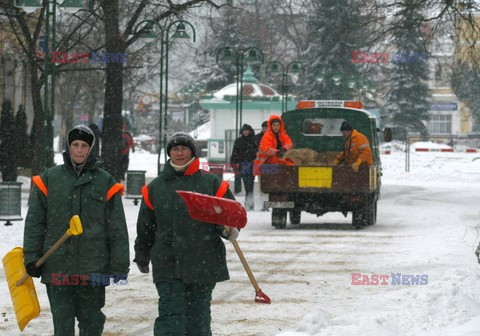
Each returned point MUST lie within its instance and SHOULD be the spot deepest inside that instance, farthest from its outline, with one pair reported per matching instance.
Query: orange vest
(356, 148)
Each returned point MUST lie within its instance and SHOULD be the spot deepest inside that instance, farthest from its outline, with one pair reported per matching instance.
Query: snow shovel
(20, 284)
(214, 209)
(260, 297)
(217, 210)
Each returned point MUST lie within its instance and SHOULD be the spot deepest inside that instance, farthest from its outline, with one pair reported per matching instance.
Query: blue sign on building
(447, 106)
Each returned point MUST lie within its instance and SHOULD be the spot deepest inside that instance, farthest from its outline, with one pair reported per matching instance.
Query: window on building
(440, 124)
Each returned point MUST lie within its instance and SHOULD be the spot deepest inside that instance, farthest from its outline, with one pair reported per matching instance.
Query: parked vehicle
(324, 187)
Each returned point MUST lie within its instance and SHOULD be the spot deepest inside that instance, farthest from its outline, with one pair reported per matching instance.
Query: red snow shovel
(214, 210)
(218, 210)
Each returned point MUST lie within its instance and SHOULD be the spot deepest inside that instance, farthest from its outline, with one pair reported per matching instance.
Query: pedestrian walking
(77, 187)
(243, 154)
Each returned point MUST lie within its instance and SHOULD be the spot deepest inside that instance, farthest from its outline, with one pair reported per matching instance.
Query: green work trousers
(84, 302)
(183, 309)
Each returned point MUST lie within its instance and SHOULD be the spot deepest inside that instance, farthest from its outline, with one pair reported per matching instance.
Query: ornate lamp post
(237, 57)
(274, 67)
(145, 30)
(70, 6)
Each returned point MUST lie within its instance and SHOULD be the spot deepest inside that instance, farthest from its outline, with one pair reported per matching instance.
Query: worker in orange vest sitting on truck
(275, 142)
(356, 149)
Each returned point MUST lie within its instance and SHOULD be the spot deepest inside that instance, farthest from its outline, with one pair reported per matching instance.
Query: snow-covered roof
(251, 87)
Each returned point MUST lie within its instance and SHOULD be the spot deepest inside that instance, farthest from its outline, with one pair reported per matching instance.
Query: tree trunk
(112, 124)
(37, 133)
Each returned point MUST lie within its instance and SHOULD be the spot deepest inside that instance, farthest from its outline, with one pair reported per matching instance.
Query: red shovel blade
(261, 297)
(216, 210)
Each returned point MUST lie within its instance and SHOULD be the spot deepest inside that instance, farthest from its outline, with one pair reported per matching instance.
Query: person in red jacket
(275, 142)
(127, 141)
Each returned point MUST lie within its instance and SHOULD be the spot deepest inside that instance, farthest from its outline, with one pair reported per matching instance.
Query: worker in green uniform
(187, 256)
(75, 273)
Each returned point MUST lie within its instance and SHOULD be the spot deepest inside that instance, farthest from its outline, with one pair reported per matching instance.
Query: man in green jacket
(76, 274)
(188, 256)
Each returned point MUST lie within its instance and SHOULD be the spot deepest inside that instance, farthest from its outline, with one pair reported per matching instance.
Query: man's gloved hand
(32, 270)
(355, 166)
(231, 233)
(281, 152)
(143, 269)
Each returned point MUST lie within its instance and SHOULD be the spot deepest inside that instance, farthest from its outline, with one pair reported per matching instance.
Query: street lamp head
(147, 31)
(72, 6)
(273, 67)
(28, 6)
(296, 67)
(253, 56)
(336, 79)
(226, 55)
(181, 32)
(319, 75)
(351, 83)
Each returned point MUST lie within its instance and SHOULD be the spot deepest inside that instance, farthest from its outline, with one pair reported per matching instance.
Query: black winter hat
(265, 124)
(248, 128)
(81, 132)
(346, 126)
(181, 139)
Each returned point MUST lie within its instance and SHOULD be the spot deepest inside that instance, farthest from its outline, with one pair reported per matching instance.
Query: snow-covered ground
(427, 225)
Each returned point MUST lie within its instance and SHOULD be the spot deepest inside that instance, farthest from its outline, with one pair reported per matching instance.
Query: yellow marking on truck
(317, 177)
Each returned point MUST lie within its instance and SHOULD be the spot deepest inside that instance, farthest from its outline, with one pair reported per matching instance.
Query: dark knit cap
(181, 139)
(265, 124)
(81, 132)
(346, 126)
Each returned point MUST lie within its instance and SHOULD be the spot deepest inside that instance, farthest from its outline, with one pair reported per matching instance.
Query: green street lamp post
(29, 6)
(145, 30)
(180, 33)
(237, 57)
(274, 67)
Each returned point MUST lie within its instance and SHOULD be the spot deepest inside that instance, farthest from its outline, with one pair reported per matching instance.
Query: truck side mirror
(387, 134)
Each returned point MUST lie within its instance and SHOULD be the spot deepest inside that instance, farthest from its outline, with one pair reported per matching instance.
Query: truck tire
(279, 218)
(295, 216)
(359, 218)
(372, 212)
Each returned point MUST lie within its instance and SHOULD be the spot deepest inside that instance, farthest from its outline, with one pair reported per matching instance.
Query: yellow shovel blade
(76, 228)
(25, 300)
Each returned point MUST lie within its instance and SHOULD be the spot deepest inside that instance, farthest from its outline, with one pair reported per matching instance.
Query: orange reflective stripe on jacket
(117, 187)
(222, 189)
(145, 197)
(37, 180)
(356, 149)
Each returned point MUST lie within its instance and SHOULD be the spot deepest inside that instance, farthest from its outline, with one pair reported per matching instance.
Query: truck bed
(334, 179)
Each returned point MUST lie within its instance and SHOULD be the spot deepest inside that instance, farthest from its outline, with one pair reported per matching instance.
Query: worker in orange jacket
(275, 142)
(356, 149)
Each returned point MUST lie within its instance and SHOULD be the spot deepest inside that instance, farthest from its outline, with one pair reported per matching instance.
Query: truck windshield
(322, 126)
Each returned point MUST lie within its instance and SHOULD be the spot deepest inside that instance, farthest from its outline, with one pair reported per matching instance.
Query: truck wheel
(279, 218)
(359, 218)
(372, 213)
(295, 216)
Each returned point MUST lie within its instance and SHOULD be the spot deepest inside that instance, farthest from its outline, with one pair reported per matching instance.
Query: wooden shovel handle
(44, 257)
(245, 265)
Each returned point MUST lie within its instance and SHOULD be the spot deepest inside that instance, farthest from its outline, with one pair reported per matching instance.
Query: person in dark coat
(258, 137)
(72, 273)
(188, 256)
(243, 155)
